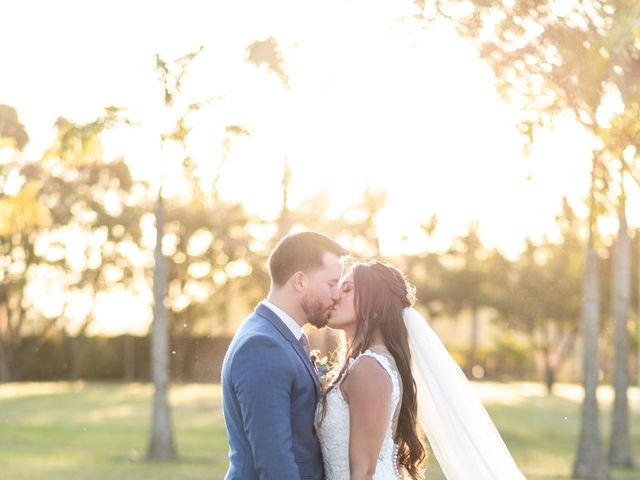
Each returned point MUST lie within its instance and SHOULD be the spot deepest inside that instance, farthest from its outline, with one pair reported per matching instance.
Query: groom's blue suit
(269, 394)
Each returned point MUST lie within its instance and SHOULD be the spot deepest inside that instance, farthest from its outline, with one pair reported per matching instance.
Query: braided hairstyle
(381, 293)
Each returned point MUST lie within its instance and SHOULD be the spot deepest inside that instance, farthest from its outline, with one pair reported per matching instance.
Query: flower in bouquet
(322, 366)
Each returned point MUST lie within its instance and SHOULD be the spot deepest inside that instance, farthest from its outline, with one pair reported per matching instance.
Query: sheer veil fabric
(462, 436)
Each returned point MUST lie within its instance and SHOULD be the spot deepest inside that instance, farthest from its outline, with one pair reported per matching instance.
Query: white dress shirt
(286, 319)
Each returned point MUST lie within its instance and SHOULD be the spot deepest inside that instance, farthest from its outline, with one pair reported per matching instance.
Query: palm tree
(624, 132)
(162, 444)
(590, 461)
(620, 452)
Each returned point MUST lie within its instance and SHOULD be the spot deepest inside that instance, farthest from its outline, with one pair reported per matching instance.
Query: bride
(395, 373)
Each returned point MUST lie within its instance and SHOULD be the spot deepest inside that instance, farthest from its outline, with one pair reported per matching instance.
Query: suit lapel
(268, 314)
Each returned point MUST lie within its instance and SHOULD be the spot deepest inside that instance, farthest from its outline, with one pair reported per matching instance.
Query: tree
(267, 52)
(68, 190)
(620, 452)
(620, 138)
(208, 255)
(21, 217)
(12, 132)
(89, 199)
(162, 444)
(464, 285)
(539, 294)
(549, 60)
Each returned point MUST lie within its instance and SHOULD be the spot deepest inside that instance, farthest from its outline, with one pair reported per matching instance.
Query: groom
(269, 386)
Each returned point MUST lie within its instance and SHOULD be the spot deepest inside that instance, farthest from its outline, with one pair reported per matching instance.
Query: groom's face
(321, 292)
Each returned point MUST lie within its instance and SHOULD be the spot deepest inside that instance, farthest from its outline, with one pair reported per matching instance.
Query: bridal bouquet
(322, 366)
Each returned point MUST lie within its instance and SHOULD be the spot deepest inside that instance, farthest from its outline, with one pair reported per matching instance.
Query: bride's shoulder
(379, 354)
(373, 361)
(367, 374)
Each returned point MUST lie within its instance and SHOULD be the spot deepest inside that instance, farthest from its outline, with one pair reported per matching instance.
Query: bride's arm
(367, 389)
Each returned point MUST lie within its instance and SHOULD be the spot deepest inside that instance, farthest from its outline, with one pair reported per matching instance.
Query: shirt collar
(286, 319)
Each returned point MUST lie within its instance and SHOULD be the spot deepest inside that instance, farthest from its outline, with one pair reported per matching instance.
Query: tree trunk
(76, 348)
(620, 452)
(5, 367)
(129, 358)
(638, 325)
(555, 360)
(183, 354)
(162, 445)
(550, 366)
(474, 340)
(590, 461)
(284, 219)
(4, 334)
(6, 340)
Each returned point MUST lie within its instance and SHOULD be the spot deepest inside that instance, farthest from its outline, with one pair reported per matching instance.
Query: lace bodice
(333, 429)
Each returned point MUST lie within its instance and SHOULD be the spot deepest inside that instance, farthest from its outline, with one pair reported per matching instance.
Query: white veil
(462, 436)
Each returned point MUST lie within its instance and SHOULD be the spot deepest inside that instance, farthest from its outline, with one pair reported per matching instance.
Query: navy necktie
(305, 345)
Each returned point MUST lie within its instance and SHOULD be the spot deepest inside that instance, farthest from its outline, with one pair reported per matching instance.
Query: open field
(97, 431)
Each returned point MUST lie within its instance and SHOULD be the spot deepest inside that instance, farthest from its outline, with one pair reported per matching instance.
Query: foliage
(12, 132)
(124, 357)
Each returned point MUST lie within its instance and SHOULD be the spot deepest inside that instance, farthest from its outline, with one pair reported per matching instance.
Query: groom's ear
(298, 279)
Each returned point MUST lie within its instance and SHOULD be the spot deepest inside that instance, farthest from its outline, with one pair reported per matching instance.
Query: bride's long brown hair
(380, 295)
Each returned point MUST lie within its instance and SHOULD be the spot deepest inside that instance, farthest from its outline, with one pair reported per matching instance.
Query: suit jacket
(269, 396)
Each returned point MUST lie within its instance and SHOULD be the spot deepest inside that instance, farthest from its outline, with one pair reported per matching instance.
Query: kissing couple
(394, 375)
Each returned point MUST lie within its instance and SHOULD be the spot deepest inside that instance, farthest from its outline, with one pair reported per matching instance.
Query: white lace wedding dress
(333, 429)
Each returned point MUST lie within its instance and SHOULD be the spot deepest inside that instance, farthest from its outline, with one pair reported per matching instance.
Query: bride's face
(344, 315)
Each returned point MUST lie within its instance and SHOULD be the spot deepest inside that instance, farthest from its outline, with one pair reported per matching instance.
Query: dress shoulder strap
(379, 357)
(384, 361)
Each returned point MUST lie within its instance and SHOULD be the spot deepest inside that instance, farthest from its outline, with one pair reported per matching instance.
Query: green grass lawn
(100, 430)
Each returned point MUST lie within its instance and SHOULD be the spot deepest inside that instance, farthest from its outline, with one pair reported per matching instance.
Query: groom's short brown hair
(300, 252)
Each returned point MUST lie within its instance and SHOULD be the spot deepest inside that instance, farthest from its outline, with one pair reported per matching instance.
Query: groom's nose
(336, 295)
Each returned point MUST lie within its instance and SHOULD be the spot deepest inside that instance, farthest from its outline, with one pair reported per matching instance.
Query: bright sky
(372, 101)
